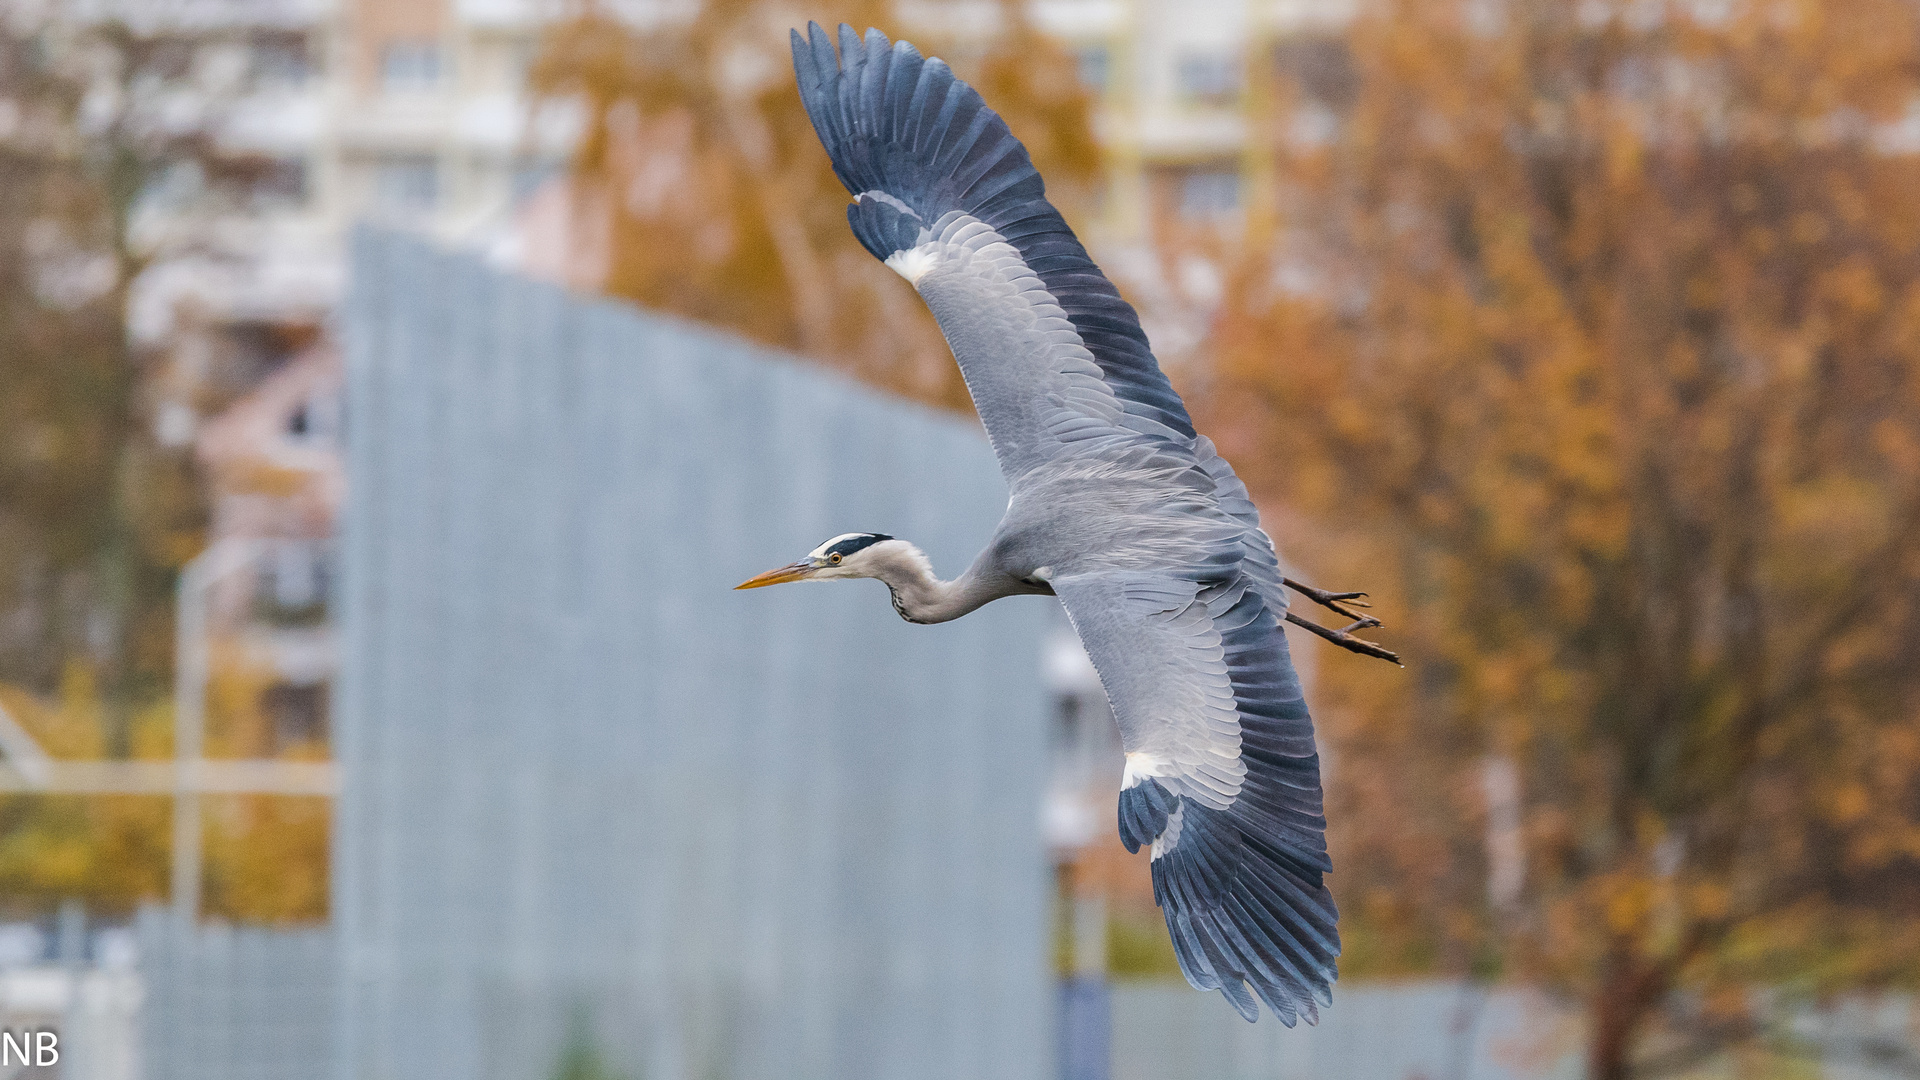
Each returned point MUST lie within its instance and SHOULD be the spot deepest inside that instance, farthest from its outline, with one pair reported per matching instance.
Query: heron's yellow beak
(777, 576)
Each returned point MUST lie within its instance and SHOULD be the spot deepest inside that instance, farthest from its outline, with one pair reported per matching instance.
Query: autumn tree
(266, 855)
(65, 384)
(94, 517)
(1591, 336)
(108, 851)
(700, 188)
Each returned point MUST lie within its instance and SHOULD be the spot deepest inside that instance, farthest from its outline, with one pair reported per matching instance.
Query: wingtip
(1243, 1000)
(1323, 994)
(820, 46)
(806, 50)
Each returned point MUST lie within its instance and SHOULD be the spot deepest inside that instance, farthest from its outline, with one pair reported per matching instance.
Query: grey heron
(1117, 506)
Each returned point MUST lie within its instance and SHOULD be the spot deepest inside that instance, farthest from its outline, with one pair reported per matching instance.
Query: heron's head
(849, 555)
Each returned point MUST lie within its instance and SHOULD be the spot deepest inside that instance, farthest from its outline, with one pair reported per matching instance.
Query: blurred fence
(1413, 1031)
(1437, 1030)
(234, 1003)
(598, 805)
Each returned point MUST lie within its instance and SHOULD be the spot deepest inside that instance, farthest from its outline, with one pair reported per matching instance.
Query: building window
(520, 59)
(407, 183)
(1209, 78)
(1094, 66)
(528, 177)
(315, 421)
(170, 59)
(281, 59)
(249, 350)
(407, 66)
(254, 182)
(281, 182)
(1320, 69)
(1209, 193)
(298, 713)
(294, 581)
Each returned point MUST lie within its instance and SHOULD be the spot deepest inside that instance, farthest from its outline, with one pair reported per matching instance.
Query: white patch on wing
(887, 197)
(821, 551)
(914, 263)
(1169, 837)
(1164, 666)
(1141, 765)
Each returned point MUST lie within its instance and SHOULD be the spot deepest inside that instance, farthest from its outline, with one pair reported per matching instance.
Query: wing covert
(1259, 560)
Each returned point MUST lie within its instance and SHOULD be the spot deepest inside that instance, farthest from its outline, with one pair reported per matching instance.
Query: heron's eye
(834, 558)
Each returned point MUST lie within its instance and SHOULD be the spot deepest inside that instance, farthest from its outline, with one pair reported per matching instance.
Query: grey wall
(1421, 1030)
(231, 1003)
(589, 788)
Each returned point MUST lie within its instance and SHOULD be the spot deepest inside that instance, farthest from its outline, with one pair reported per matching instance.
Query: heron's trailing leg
(1341, 603)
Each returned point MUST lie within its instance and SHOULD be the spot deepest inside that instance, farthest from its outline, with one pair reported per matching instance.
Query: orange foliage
(703, 174)
(1604, 374)
(266, 856)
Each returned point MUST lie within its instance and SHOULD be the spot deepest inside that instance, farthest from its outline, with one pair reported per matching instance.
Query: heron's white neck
(919, 596)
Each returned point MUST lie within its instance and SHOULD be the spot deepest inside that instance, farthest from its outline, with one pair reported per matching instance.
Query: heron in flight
(1118, 507)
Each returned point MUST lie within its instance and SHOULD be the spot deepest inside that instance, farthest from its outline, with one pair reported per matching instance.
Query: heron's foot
(1346, 640)
(1341, 603)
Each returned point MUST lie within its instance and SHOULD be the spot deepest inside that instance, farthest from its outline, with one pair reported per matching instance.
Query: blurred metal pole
(1090, 936)
(23, 752)
(1086, 1013)
(190, 652)
(70, 934)
(70, 952)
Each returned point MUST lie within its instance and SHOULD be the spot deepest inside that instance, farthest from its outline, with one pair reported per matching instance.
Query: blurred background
(390, 391)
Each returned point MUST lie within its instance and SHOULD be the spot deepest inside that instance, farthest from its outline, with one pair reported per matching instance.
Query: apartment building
(273, 126)
(1190, 101)
(318, 113)
(314, 114)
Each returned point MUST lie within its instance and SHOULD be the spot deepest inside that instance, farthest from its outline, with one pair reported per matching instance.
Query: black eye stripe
(856, 543)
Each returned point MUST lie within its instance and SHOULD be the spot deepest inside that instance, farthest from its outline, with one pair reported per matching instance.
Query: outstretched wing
(945, 195)
(1222, 778)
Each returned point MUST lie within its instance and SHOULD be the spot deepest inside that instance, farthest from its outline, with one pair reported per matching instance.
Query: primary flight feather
(1117, 506)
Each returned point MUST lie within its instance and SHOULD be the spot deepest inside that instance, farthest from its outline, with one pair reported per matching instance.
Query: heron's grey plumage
(1117, 506)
